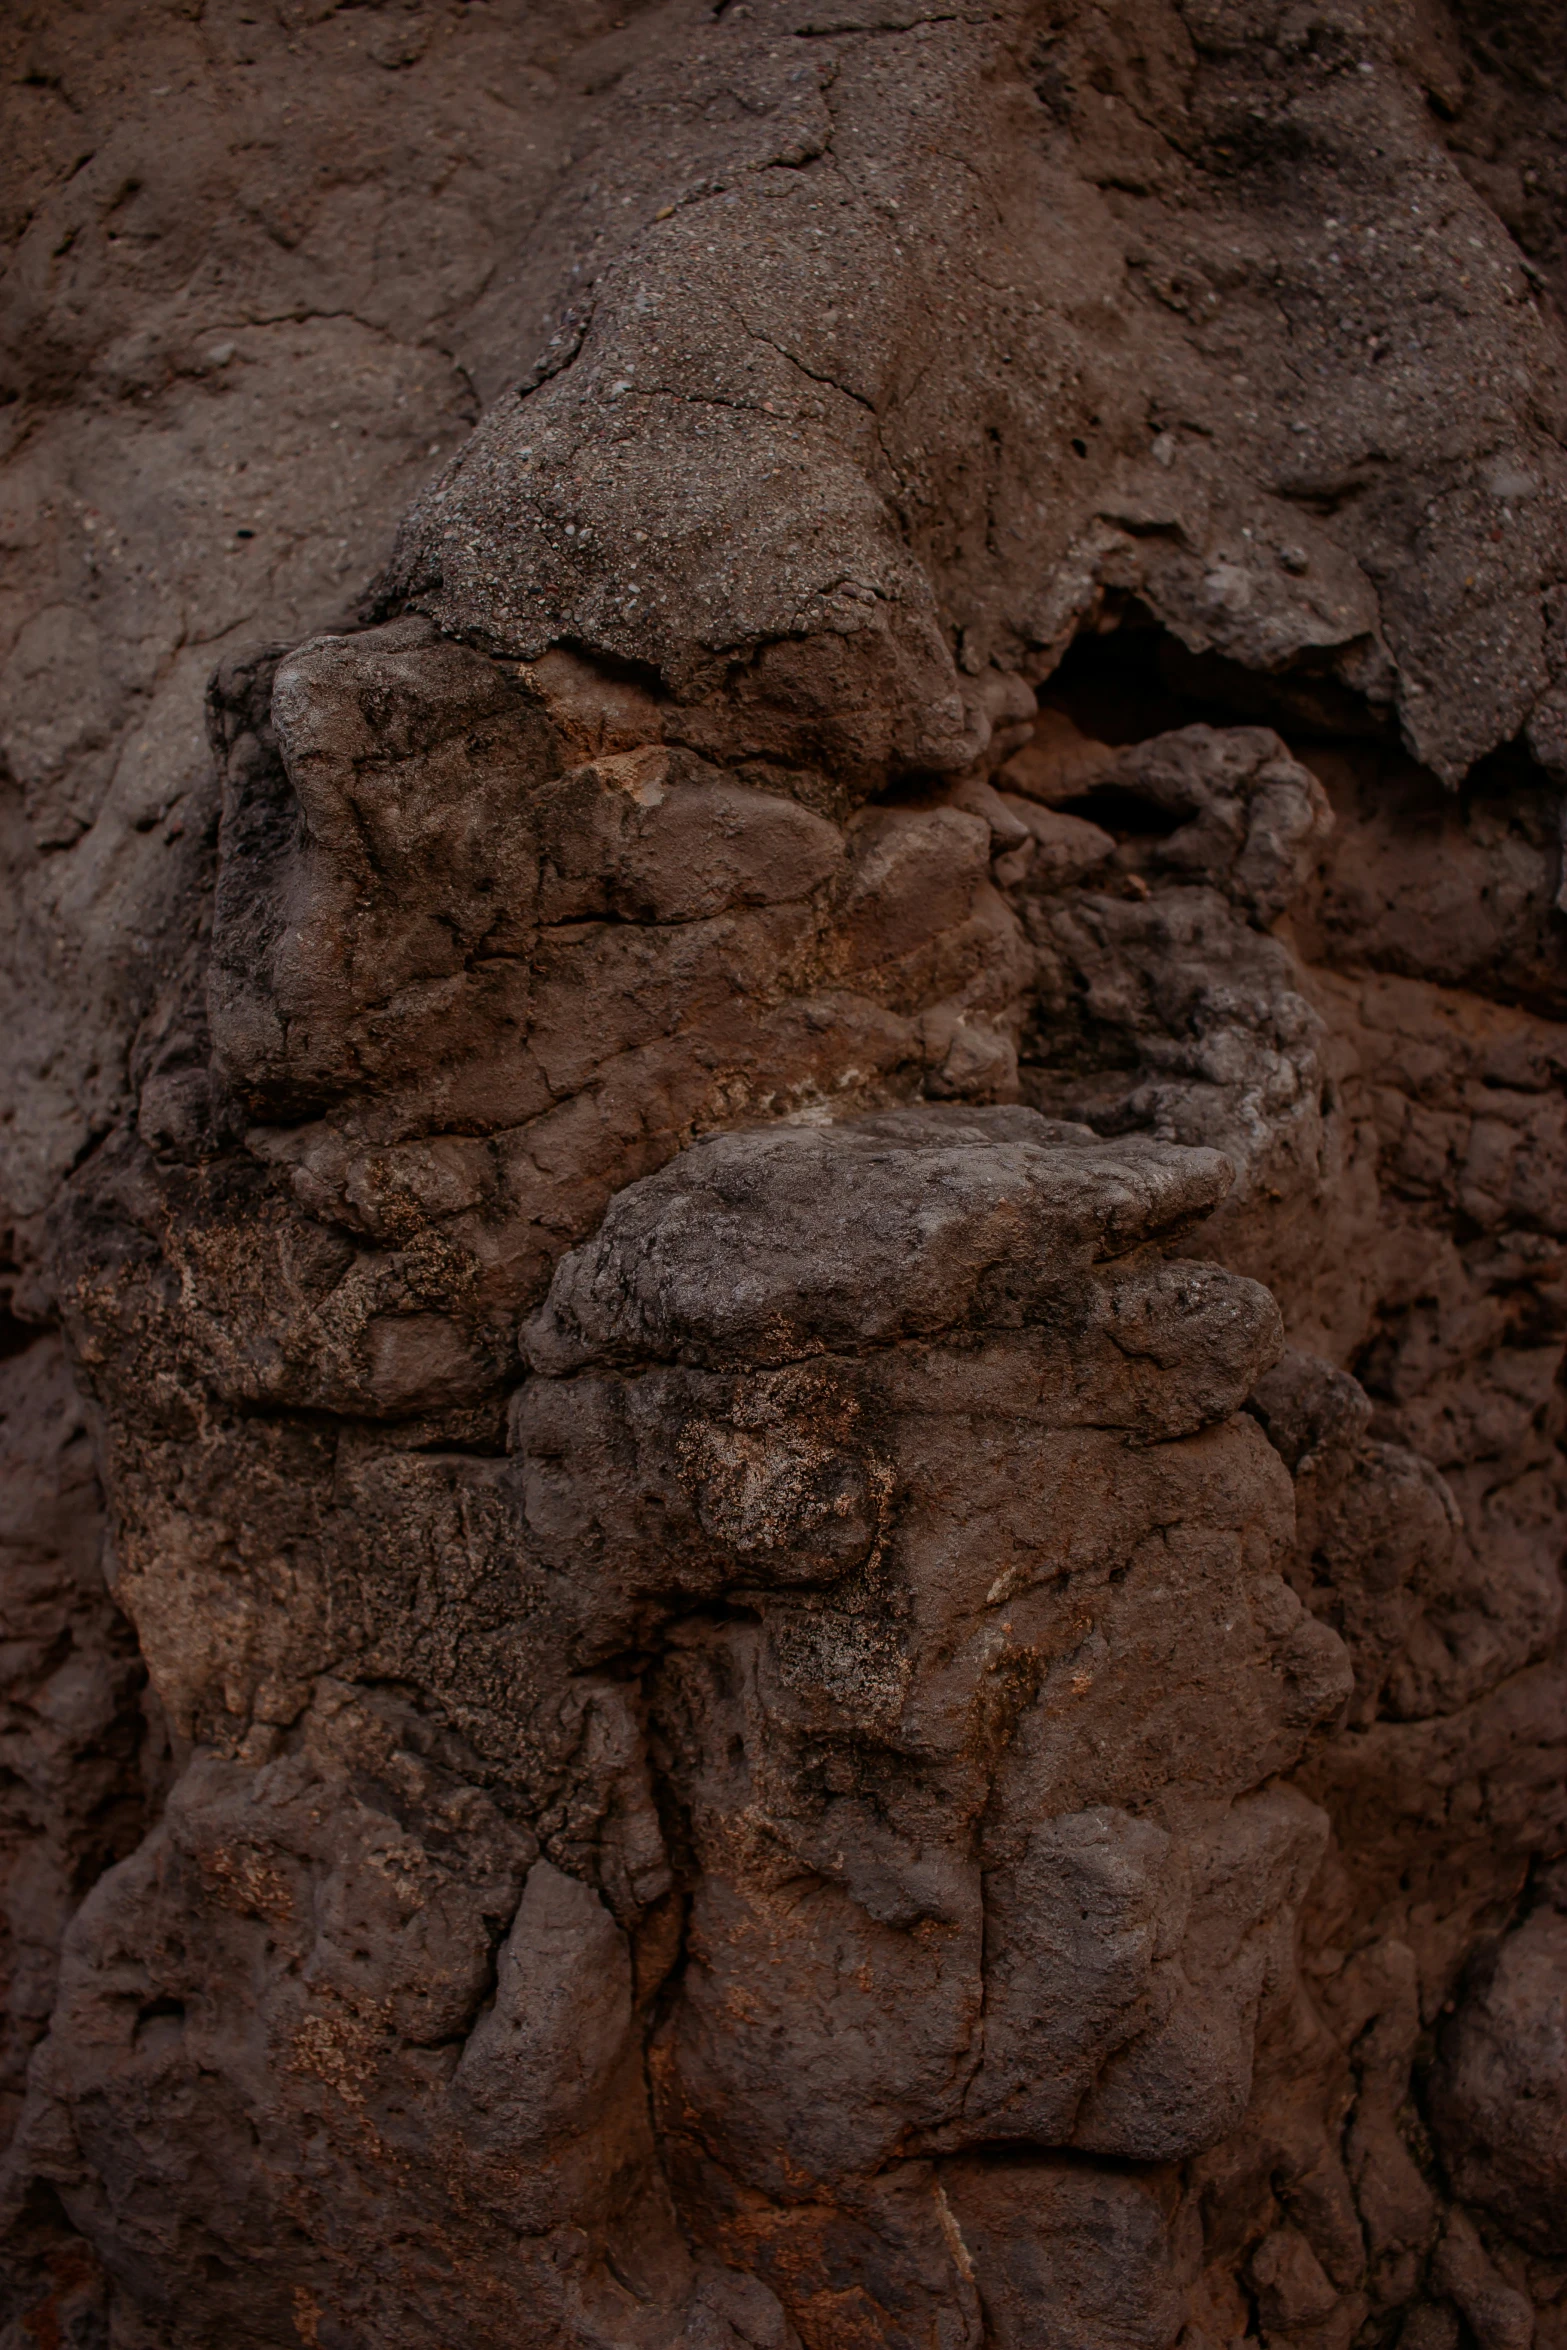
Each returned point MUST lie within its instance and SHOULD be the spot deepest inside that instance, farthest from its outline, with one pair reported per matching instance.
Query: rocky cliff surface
(783, 1393)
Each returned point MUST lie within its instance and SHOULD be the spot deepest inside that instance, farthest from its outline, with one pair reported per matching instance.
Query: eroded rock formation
(808, 1209)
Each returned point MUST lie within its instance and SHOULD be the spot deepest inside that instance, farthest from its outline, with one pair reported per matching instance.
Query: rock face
(783, 1391)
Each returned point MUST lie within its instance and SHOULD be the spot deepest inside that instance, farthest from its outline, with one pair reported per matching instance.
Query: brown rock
(810, 1201)
(1500, 2096)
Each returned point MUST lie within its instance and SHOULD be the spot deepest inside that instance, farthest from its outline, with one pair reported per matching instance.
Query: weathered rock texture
(809, 1186)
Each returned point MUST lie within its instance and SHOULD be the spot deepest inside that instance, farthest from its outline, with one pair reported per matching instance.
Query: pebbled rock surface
(783, 1383)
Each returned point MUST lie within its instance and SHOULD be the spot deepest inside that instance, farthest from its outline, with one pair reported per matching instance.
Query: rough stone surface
(782, 1399)
(1501, 2094)
(81, 1760)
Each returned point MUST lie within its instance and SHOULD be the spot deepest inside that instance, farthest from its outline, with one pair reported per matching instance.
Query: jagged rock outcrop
(810, 1204)
(792, 1506)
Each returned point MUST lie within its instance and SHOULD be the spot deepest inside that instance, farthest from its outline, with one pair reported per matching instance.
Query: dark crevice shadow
(1123, 684)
